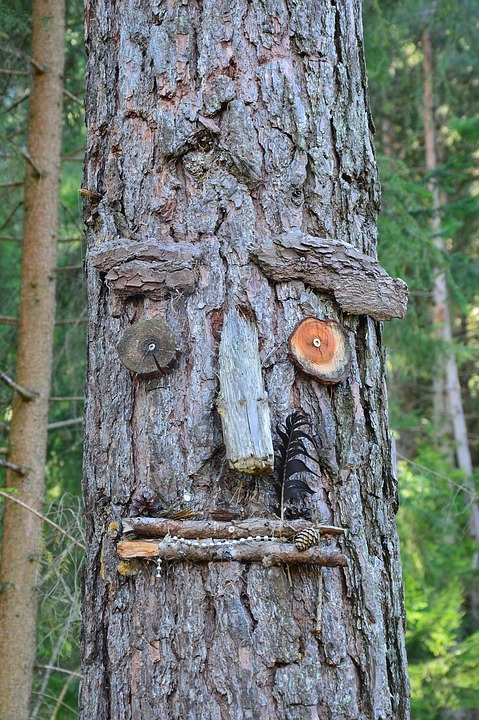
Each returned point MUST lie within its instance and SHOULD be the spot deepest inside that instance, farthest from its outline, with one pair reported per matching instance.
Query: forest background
(428, 235)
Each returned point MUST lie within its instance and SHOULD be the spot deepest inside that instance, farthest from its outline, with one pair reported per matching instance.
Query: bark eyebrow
(357, 281)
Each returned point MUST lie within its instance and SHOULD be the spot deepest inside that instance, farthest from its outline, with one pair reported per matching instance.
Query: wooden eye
(321, 349)
(148, 347)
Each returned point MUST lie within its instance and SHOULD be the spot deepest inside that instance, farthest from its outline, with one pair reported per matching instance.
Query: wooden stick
(7, 71)
(242, 402)
(234, 529)
(9, 320)
(12, 238)
(319, 604)
(65, 423)
(266, 552)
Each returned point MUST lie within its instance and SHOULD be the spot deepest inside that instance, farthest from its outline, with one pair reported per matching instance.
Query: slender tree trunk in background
(28, 434)
(448, 408)
(212, 128)
(442, 319)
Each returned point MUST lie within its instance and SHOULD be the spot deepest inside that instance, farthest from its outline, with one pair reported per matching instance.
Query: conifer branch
(10, 497)
(26, 394)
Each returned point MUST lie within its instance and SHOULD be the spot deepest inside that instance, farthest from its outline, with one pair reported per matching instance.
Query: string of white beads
(212, 542)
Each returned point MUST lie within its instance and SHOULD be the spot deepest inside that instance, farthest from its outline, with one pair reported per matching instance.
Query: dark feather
(289, 458)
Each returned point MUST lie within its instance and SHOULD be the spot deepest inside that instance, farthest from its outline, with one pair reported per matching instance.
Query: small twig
(7, 71)
(32, 162)
(8, 496)
(18, 183)
(53, 697)
(72, 321)
(54, 668)
(61, 268)
(73, 97)
(10, 320)
(59, 704)
(73, 153)
(12, 466)
(12, 238)
(68, 398)
(272, 351)
(27, 394)
(11, 214)
(18, 102)
(71, 239)
(319, 606)
(469, 490)
(37, 65)
(71, 215)
(65, 423)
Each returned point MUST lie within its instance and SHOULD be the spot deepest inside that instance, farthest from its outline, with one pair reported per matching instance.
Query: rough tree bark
(214, 130)
(28, 432)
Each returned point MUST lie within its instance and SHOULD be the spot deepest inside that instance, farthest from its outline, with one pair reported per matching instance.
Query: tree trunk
(448, 408)
(28, 433)
(223, 139)
(441, 314)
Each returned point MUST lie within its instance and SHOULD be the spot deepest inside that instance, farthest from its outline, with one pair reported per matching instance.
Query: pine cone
(307, 538)
(146, 503)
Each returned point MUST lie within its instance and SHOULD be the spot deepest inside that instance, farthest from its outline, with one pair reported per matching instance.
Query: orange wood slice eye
(321, 349)
(148, 347)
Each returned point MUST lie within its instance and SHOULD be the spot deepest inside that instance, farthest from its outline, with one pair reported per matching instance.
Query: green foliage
(449, 681)
(407, 250)
(406, 247)
(436, 554)
(59, 616)
(437, 551)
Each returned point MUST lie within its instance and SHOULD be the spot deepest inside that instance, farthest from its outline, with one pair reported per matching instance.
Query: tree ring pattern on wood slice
(321, 349)
(148, 347)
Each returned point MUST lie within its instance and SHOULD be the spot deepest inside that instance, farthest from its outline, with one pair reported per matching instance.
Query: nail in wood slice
(148, 347)
(321, 349)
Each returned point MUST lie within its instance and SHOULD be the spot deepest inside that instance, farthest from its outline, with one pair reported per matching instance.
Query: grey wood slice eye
(148, 347)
